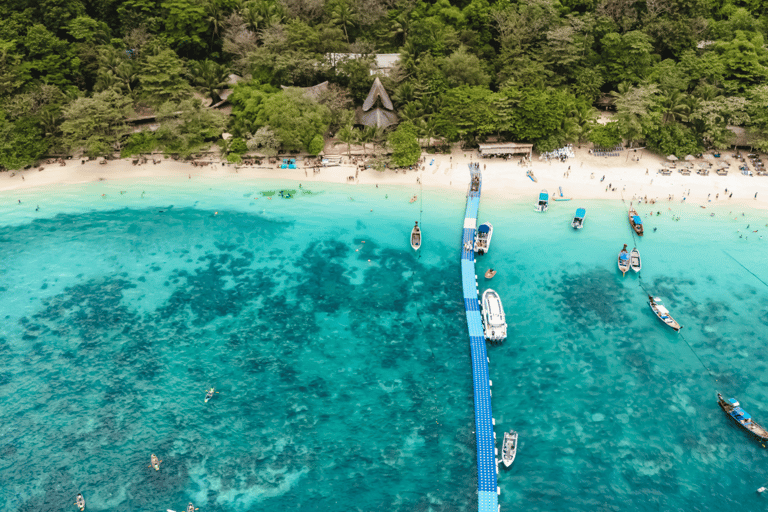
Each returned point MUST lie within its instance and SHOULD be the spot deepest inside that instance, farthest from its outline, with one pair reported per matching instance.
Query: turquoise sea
(342, 359)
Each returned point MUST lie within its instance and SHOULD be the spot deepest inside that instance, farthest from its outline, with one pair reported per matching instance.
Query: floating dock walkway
(487, 489)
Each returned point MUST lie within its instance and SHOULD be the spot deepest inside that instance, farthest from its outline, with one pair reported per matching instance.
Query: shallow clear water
(344, 382)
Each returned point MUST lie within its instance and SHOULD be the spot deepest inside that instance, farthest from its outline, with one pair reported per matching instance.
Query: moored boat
(483, 238)
(543, 203)
(634, 260)
(733, 410)
(493, 316)
(416, 237)
(624, 260)
(662, 312)
(635, 221)
(490, 273)
(578, 219)
(80, 501)
(509, 448)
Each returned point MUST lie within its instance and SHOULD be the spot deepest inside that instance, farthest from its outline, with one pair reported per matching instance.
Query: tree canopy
(74, 73)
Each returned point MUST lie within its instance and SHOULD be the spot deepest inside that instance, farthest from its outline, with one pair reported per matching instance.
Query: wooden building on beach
(505, 149)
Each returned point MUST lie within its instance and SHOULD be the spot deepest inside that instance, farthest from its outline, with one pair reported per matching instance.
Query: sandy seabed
(631, 176)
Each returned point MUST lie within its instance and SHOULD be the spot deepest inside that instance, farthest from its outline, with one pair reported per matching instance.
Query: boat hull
(416, 237)
(483, 238)
(663, 315)
(509, 448)
(634, 260)
(637, 226)
(728, 408)
(623, 263)
(494, 320)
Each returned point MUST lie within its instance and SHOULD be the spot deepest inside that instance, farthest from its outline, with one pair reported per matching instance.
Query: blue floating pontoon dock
(487, 490)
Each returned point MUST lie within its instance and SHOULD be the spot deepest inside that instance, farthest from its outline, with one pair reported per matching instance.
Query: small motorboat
(493, 316)
(154, 462)
(483, 238)
(416, 237)
(490, 273)
(543, 203)
(624, 260)
(209, 394)
(662, 312)
(578, 219)
(509, 448)
(734, 411)
(80, 501)
(635, 221)
(634, 260)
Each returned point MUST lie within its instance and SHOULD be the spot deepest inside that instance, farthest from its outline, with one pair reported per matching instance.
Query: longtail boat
(635, 221)
(733, 410)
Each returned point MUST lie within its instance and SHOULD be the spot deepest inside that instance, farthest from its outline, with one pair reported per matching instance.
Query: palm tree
(210, 77)
(215, 16)
(343, 14)
(427, 128)
(126, 72)
(252, 16)
(583, 118)
(411, 112)
(348, 134)
(365, 136)
(674, 108)
(400, 26)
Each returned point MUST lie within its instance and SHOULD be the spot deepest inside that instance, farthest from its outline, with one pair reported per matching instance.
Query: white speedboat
(483, 238)
(493, 316)
(543, 203)
(634, 260)
(509, 448)
(578, 219)
(416, 237)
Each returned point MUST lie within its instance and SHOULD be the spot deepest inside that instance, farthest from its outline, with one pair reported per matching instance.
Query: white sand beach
(630, 176)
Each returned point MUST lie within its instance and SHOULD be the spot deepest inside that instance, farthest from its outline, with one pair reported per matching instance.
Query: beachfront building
(383, 63)
(378, 109)
(505, 149)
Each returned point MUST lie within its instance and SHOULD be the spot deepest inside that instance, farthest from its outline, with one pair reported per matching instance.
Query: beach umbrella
(709, 157)
(672, 158)
(690, 158)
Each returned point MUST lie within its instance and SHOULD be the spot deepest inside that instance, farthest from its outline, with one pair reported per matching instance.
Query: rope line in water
(745, 268)
(640, 284)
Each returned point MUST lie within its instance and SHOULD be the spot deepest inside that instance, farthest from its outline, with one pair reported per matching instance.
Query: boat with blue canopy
(624, 260)
(578, 219)
(733, 410)
(483, 238)
(635, 221)
(543, 203)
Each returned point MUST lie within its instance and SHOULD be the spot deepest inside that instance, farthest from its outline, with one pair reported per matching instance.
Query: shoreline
(579, 177)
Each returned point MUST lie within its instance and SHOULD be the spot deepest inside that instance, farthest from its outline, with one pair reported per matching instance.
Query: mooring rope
(640, 284)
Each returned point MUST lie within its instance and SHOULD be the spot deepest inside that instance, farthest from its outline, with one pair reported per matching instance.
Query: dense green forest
(676, 72)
